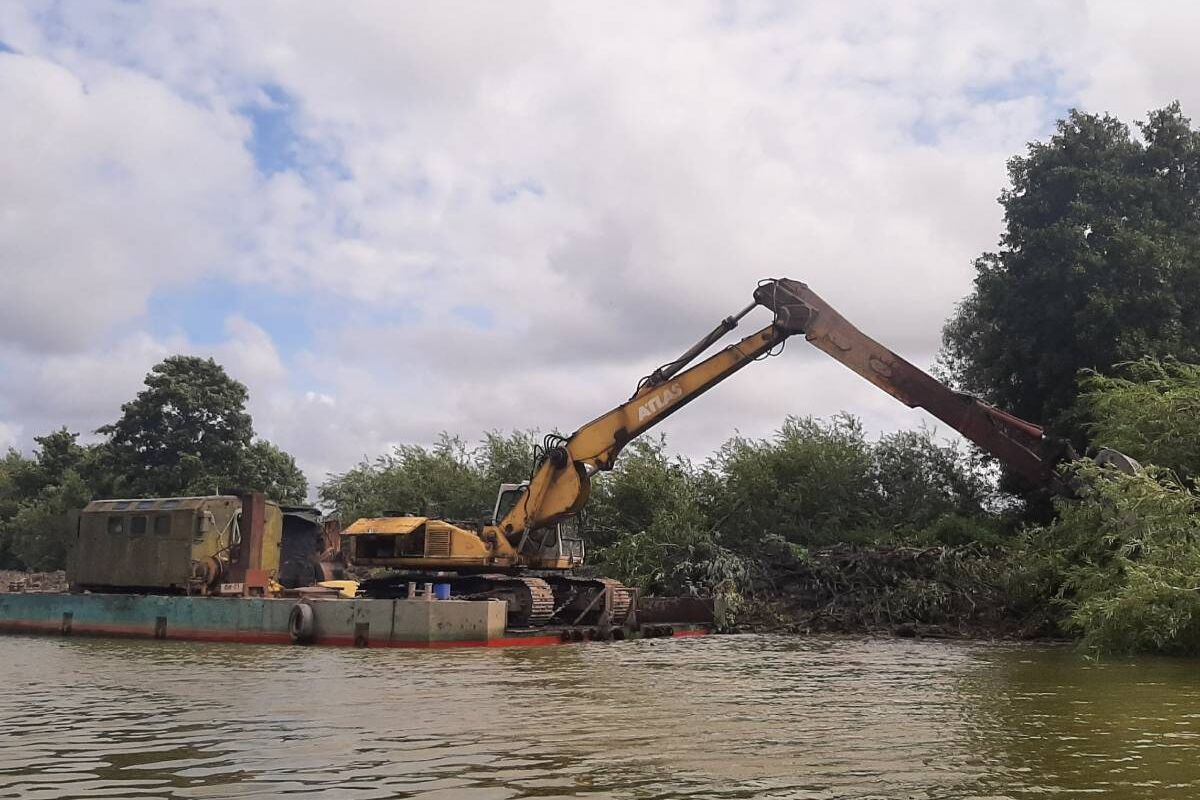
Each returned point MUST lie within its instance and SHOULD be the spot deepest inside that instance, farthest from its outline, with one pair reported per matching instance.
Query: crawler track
(530, 600)
(578, 601)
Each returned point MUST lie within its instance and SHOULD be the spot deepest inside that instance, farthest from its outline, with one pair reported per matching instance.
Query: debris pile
(16, 581)
(938, 591)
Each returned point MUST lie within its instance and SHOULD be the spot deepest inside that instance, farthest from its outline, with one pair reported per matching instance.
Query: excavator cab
(558, 546)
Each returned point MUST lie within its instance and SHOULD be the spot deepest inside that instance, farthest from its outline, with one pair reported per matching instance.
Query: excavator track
(530, 600)
(622, 599)
(578, 600)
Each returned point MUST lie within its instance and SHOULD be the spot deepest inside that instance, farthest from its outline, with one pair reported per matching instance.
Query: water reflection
(723, 717)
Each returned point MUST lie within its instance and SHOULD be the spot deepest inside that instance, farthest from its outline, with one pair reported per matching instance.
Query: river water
(721, 717)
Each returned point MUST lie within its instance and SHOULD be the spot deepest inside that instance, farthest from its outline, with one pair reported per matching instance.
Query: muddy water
(727, 717)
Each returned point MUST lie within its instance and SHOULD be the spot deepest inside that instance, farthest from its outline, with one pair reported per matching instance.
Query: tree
(188, 432)
(266, 468)
(1099, 263)
(920, 481)
(187, 427)
(1126, 558)
(450, 479)
(40, 531)
(37, 497)
(645, 485)
(647, 525)
(11, 467)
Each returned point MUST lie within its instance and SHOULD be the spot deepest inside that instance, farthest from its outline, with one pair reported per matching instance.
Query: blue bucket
(441, 591)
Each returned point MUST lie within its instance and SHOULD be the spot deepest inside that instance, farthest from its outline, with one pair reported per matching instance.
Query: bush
(1149, 409)
(811, 484)
(1127, 557)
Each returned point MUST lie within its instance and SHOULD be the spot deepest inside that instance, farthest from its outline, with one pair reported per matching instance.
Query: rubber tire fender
(300, 623)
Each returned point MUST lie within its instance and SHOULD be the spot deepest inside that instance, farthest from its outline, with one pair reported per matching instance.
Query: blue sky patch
(1036, 78)
(274, 142)
(480, 317)
(923, 131)
(4, 48)
(509, 192)
(199, 312)
(277, 143)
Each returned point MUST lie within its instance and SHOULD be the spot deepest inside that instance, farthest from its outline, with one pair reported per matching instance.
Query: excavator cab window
(570, 541)
(508, 497)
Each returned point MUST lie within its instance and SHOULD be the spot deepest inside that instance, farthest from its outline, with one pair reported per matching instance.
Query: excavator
(524, 554)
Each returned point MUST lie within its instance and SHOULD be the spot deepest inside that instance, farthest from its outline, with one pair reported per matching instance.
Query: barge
(331, 621)
(240, 568)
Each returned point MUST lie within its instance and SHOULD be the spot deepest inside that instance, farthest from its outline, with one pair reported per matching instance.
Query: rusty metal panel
(1020, 445)
(675, 609)
(388, 525)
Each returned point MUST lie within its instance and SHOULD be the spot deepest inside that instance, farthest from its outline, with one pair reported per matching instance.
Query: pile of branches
(907, 591)
(18, 581)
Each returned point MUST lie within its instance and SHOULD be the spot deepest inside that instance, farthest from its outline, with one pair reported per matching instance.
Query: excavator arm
(1022, 446)
(560, 482)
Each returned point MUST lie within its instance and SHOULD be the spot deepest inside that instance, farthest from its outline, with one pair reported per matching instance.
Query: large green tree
(188, 432)
(1099, 263)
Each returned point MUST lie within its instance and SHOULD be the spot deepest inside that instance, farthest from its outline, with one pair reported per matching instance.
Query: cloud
(82, 390)
(113, 186)
(484, 216)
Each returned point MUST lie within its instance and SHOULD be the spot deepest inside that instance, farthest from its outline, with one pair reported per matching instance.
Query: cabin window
(162, 525)
(116, 524)
(137, 526)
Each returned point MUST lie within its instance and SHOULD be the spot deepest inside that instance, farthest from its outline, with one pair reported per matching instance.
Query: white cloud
(606, 181)
(82, 390)
(111, 187)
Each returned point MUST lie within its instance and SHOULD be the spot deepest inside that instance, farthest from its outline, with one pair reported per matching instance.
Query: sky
(390, 220)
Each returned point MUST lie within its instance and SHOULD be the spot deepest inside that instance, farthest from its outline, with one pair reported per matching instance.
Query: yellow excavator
(524, 554)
